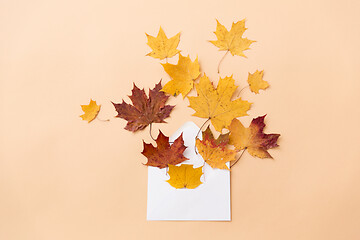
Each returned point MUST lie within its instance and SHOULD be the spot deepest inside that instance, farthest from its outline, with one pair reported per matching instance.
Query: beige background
(61, 178)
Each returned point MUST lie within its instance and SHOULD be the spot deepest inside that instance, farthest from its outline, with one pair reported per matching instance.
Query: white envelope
(208, 202)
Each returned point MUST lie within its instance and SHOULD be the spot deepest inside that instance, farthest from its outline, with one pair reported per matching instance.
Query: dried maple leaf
(216, 104)
(162, 46)
(144, 111)
(184, 176)
(164, 154)
(214, 151)
(90, 111)
(256, 81)
(232, 40)
(252, 138)
(182, 76)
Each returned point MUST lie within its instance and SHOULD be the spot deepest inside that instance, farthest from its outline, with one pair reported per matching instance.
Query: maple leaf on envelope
(144, 111)
(214, 151)
(164, 154)
(256, 81)
(253, 139)
(162, 46)
(232, 40)
(184, 176)
(182, 76)
(216, 104)
(90, 111)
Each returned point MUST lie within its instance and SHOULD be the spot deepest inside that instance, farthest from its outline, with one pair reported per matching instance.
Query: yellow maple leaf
(182, 76)
(90, 111)
(216, 104)
(214, 151)
(162, 46)
(232, 40)
(184, 176)
(256, 81)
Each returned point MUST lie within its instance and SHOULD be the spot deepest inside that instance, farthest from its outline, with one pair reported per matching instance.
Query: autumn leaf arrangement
(217, 105)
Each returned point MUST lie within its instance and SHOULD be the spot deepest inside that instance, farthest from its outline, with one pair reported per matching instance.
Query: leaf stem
(242, 90)
(199, 132)
(102, 120)
(222, 60)
(238, 158)
(150, 132)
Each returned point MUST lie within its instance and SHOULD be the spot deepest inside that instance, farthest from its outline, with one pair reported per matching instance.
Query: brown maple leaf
(144, 110)
(164, 154)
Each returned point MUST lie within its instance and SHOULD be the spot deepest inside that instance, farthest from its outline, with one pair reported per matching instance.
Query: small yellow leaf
(184, 176)
(232, 40)
(216, 104)
(256, 81)
(162, 46)
(183, 75)
(90, 111)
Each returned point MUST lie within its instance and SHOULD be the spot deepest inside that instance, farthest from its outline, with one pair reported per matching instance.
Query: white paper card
(208, 202)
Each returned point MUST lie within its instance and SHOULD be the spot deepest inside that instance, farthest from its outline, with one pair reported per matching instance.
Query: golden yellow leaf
(232, 40)
(215, 151)
(256, 81)
(90, 111)
(184, 176)
(216, 104)
(182, 76)
(162, 46)
(252, 138)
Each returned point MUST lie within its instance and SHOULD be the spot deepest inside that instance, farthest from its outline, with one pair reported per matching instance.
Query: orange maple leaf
(214, 151)
(252, 138)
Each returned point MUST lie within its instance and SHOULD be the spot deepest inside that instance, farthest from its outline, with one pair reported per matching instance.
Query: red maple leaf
(164, 153)
(144, 110)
